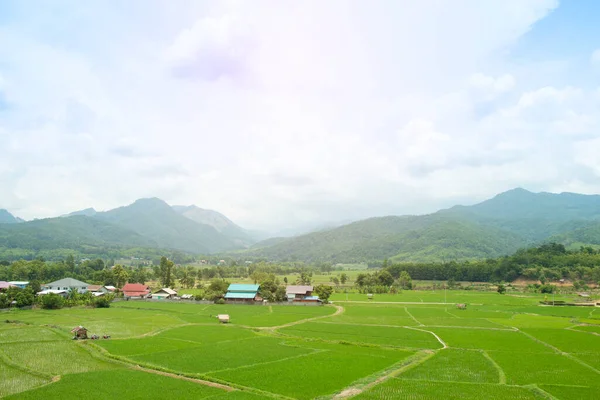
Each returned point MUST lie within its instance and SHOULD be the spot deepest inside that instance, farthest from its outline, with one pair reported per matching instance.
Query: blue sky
(286, 113)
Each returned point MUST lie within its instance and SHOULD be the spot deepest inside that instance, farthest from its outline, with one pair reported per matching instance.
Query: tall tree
(166, 272)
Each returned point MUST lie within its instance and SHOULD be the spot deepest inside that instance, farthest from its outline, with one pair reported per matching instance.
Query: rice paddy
(407, 346)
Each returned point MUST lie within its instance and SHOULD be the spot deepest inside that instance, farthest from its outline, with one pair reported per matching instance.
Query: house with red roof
(135, 290)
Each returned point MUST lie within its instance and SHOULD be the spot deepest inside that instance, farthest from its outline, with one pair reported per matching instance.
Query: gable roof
(94, 288)
(135, 288)
(67, 282)
(240, 295)
(5, 285)
(298, 289)
(241, 287)
(167, 291)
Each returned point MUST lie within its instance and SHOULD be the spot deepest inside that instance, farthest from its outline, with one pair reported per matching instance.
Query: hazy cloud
(287, 113)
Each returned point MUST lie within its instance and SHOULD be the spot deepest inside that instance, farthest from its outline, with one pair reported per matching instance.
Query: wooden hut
(461, 306)
(80, 333)
(223, 318)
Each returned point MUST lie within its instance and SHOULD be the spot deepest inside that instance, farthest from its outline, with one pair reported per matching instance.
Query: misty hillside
(8, 218)
(501, 225)
(221, 223)
(68, 233)
(88, 212)
(156, 220)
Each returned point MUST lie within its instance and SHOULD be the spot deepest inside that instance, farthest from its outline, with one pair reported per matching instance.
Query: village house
(301, 293)
(5, 285)
(242, 293)
(135, 290)
(67, 284)
(164, 293)
(19, 284)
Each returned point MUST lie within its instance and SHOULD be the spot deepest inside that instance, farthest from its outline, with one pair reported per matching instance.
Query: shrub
(220, 301)
(52, 301)
(24, 298)
(4, 301)
(199, 297)
(102, 302)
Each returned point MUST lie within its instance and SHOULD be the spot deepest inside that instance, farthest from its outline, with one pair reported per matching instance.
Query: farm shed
(135, 290)
(223, 318)
(164, 293)
(67, 284)
(80, 332)
(94, 288)
(242, 293)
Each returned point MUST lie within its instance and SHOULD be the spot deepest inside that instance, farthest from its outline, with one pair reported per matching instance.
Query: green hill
(156, 220)
(68, 233)
(498, 226)
(412, 238)
(221, 223)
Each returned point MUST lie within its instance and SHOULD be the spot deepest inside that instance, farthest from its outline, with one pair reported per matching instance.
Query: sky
(282, 113)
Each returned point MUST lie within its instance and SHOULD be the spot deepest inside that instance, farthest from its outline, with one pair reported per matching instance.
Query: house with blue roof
(242, 293)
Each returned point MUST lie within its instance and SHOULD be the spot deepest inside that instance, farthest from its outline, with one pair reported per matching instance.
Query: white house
(67, 284)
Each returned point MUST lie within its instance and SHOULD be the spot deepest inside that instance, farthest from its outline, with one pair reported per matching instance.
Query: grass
(54, 358)
(455, 366)
(496, 349)
(481, 339)
(223, 355)
(314, 375)
(379, 335)
(543, 369)
(117, 384)
(567, 340)
(15, 381)
(426, 390)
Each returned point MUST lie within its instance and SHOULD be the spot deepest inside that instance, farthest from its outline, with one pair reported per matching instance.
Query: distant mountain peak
(88, 212)
(8, 218)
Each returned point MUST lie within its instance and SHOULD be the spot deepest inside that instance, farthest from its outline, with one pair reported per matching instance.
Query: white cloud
(280, 113)
(595, 58)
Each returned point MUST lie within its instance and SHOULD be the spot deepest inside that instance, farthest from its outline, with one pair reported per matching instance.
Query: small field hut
(223, 318)
(461, 306)
(80, 332)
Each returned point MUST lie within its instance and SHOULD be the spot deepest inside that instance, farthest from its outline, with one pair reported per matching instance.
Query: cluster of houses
(246, 293)
(236, 292)
(19, 284)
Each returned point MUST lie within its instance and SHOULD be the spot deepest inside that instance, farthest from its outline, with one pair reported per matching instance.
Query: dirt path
(407, 364)
(185, 378)
(425, 330)
(339, 310)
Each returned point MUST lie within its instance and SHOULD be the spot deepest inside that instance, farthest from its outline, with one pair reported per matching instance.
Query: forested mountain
(8, 218)
(79, 233)
(495, 227)
(534, 216)
(136, 229)
(88, 212)
(221, 223)
(501, 225)
(156, 220)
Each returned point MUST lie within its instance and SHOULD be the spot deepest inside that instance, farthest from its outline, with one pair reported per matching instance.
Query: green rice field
(412, 345)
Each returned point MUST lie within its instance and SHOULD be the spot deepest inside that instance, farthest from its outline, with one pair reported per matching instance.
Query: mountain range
(498, 226)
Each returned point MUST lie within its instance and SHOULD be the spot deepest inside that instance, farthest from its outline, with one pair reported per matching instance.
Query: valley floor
(408, 346)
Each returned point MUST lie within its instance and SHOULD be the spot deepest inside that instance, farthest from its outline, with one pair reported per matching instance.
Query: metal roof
(311, 298)
(298, 289)
(240, 295)
(167, 291)
(241, 287)
(67, 282)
